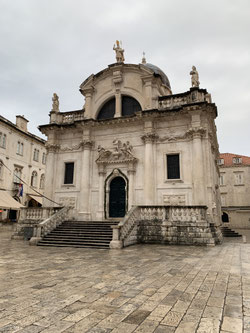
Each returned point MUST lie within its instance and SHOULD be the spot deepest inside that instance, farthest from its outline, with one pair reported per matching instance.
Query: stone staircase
(94, 234)
(227, 232)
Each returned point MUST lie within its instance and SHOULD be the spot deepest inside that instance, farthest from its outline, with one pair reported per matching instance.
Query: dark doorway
(117, 197)
(13, 215)
(224, 217)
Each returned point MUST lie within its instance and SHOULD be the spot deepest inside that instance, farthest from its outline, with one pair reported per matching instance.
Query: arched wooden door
(117, 197)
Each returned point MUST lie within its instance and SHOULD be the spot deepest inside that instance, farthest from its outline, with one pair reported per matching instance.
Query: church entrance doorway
(117, 197)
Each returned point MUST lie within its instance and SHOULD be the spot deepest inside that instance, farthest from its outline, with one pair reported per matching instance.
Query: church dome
(159, 72)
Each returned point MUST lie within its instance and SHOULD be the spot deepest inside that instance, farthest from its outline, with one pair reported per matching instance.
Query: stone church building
(135, 144)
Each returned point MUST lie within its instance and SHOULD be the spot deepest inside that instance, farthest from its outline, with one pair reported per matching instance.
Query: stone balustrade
(37, 213)
(44, 227)
(178, 100)
(66, 117)
(165, 224)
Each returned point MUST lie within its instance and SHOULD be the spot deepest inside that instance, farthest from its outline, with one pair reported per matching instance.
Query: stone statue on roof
(119, 51)
(194, 77)
(55, 102)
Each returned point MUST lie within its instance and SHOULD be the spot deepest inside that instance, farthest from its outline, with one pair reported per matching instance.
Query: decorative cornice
(88, 144)
(188, 135)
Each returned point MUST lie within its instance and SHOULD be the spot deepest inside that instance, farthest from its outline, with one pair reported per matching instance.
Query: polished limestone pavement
(142, 288)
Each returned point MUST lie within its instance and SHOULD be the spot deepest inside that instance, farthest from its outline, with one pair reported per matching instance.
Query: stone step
(80, 234)
(69, 242)
(49, 237)
(227, 232)
(75, 246)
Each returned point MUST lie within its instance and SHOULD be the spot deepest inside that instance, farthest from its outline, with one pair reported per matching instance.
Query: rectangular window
(237, 160)
(173, 166)
(238, 178)
(2, 140)
(220, 161)
(36, 155)
(19, 148)
(222, 179)
(69, 173)
(44, 158)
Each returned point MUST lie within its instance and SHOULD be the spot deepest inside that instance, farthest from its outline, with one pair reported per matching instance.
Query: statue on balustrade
(119, 51)
(55, 102)
(194, 77)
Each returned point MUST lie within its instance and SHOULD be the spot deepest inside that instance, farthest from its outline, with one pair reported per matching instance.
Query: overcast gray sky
(53, 45)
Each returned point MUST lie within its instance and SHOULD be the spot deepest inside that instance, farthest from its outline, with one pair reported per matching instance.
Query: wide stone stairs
(94, 234)
(227, 232)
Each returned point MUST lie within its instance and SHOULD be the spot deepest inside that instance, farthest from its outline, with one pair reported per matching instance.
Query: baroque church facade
(134, 143)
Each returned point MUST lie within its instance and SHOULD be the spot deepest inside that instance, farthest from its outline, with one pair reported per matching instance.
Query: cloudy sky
(53, 45)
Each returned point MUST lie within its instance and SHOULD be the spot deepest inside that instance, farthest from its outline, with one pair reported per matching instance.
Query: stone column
(118, 105)
(49, 186)
(149, 179)
(102, 173)
(131, 172)
(88, 101)
(199, 182)
(85, 181)
(147, 80)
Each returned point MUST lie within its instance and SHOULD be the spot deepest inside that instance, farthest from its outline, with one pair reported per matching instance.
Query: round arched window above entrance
(129, 107)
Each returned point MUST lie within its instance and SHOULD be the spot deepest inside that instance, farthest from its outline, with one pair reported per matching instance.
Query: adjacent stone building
(22, 162)
(134, 143)
(235, 190)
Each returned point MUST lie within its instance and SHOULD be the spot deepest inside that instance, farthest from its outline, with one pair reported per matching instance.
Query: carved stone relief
(68, 201)
(121, 152)
(189, 134)
(81, 145)
(174, 200)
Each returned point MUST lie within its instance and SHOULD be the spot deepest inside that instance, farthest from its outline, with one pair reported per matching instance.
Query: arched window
(34, 179)
(129, 107)
(42, 179)
(108, 110)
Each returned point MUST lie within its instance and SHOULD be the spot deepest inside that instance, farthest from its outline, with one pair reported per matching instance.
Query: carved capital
(196, 132)
(88, 92)
(87, 144)
(149, 137)
(52, 147)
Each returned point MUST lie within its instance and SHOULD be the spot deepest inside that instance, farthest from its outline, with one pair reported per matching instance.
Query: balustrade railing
(44, 227)
(37, 213)
(170, 102)
(70, 117)
(125, 233)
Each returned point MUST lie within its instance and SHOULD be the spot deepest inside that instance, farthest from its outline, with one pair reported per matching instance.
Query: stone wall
(182, 233)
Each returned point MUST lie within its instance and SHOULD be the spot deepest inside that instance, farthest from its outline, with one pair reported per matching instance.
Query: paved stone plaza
(143, 288)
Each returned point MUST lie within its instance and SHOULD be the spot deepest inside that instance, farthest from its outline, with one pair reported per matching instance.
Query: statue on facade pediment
(55, 102)
(119, 51)
(194, 77)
